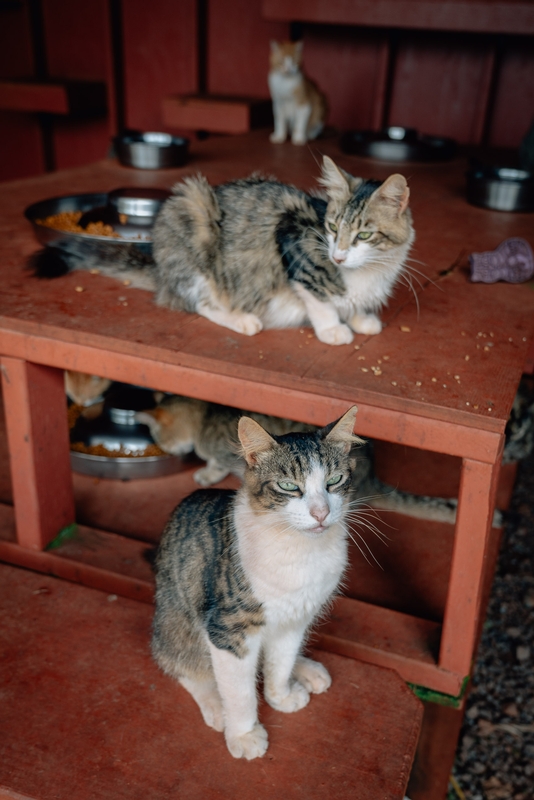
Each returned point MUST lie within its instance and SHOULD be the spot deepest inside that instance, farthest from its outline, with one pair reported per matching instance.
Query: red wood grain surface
(238, 47)
(441, 86)
(160, 57)
(483, 16)
(79, 47)
(95, 699)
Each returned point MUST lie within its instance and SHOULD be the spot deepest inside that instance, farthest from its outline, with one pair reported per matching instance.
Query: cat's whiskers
(370, 526)
(351, 537)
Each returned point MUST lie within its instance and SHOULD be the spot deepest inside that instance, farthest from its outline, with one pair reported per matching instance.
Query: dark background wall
(474, 85)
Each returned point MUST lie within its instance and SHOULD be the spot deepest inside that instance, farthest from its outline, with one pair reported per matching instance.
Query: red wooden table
(447, 376)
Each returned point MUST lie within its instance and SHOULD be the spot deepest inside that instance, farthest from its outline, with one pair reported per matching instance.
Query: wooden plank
(390, 639)
(468, 569)
(330, 52)
(67, 691)
(310, 407)
(80, 52)
(441, 85)
(19, 96)
(216, 114)
(499, 16)
(160, 57)
(238, 48)
(38, 440)
(514, 99)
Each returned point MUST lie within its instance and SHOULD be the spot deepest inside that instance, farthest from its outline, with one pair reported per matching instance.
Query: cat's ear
(275, 47)
(298, 49)
(339, 185)
(342, 431)
(254, 440)
(394, 192)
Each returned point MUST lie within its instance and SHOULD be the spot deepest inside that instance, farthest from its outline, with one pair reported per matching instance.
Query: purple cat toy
(511, 261)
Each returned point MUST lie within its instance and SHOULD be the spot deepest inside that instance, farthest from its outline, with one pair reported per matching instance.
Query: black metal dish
(398, 144)
(501, 188)
(151, 149)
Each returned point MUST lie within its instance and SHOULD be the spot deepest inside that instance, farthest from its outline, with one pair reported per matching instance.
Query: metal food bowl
(151, 150)
(398, 144)
(137, 208)
(501, 188)
(117, 430)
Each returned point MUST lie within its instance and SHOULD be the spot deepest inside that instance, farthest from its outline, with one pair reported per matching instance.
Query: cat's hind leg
(208, 699)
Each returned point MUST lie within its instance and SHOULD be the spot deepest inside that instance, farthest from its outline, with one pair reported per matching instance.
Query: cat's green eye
(334, 480)
(332, 227)
(364, 235)
(287, 486)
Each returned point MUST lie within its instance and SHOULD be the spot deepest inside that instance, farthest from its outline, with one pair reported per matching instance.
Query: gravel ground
(495, 757)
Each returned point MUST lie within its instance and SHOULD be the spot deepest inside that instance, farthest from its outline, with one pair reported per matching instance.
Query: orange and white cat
(299, 107)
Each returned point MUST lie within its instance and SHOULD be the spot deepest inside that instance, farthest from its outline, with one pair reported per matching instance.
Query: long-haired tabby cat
(241, 576)
(299, 107)
(256, 253)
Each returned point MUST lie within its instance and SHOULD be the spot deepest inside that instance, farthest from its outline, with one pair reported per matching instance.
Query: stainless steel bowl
(501, 188)
(398, 144)
(134, 238)
(117, 430)
(151, 149)
(124, 469)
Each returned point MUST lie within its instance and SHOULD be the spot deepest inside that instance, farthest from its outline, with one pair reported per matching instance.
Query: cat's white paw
(248, 324)
(252, 744)
(298, 139)
(297, 697)
(277, 138)
(312, 675)
(339, 334)
(207, 476)
(366, 323)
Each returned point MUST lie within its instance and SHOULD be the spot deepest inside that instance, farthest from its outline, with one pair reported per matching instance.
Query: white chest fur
(284, 87)
(291, 574)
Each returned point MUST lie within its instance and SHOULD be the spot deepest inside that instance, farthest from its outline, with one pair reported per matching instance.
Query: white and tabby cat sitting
(299, 107)
(241, 576)
(256, 253)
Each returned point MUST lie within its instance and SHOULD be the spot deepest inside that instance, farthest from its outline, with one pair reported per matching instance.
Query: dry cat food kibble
(68, 221)
(100, 450)
(74, 411)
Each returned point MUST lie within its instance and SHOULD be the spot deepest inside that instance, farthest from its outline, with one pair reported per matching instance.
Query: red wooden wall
(476, 87)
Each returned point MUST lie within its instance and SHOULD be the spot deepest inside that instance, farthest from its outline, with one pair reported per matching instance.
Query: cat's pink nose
(319, 513)
(339, 259)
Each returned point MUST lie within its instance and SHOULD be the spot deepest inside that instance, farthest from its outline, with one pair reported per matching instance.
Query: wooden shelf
(476, 16)
(71, 98)
(216, 114)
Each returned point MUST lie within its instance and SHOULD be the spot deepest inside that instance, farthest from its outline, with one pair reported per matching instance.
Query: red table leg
(38, 440)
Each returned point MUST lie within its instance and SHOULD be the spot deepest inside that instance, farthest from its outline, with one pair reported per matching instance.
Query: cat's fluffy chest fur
(297, 587)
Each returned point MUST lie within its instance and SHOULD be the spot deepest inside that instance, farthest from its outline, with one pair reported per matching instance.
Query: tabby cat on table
(241, 576)
(256, 253)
